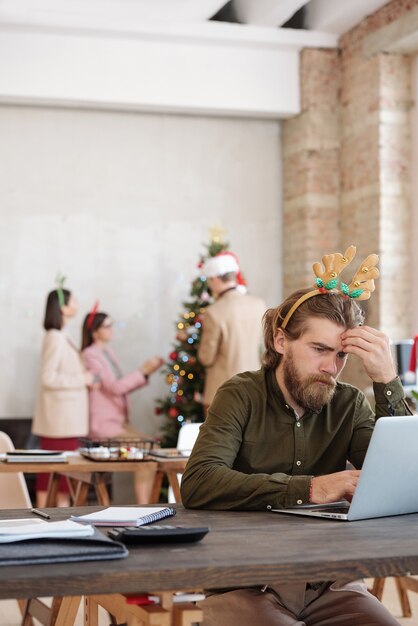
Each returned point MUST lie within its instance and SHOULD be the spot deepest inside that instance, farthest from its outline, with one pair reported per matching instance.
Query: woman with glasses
(109, 402)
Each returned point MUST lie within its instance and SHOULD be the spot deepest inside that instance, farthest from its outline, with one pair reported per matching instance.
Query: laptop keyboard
(334, 509)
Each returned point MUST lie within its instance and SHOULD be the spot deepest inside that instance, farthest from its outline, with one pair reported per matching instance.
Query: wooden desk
(242, 549)
(82, 472)
(170, 468)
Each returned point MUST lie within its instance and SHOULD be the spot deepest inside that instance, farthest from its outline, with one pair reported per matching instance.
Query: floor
(10, 616)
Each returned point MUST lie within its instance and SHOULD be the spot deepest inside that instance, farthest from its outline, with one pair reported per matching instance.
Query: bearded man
(282, 436)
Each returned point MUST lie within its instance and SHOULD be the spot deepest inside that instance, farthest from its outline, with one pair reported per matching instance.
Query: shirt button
(388, 393)
(298, 424)
(298, 462)
(299, 501)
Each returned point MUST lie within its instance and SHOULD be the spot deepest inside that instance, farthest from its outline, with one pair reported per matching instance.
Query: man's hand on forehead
(372, 347)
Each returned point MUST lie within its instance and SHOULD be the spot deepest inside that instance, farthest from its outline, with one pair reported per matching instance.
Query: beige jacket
(231, 339)
(62, 404)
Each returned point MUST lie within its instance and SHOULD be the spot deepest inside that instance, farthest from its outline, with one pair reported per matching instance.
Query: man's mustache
(326, 380)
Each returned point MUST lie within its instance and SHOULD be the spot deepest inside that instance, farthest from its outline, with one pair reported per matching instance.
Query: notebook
(27, 529)
(125, 516)
(35, 456)
(388, 483)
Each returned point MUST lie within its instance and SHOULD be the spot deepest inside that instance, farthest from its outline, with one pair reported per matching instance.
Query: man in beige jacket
(231, 339)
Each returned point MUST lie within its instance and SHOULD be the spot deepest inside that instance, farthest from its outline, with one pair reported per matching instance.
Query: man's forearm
(390, 399)
(213, 486)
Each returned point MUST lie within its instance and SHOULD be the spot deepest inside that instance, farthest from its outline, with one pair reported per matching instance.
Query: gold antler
(334, 265)
(362, 283)
(360, 287)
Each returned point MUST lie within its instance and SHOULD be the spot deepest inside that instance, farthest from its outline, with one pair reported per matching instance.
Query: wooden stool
(186, 614)
(403, 584)
(62, 612)
(164, 614)
(123, 613)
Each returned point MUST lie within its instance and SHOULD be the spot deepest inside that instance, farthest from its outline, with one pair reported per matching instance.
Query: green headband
(60, 279)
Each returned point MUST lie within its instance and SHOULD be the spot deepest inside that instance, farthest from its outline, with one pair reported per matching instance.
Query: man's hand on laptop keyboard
(332, 487)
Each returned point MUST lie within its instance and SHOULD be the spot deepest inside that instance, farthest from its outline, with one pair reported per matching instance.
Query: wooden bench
(166, 613)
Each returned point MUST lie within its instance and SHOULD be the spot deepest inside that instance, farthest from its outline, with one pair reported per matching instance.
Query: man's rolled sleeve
(390, 398)
(297, 491)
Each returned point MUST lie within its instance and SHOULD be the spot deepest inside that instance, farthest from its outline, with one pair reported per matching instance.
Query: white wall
(121, 203)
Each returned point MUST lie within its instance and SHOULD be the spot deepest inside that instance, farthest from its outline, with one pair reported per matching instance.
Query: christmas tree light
(185, 376)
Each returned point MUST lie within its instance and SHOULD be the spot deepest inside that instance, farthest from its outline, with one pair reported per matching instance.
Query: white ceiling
(166, 55)
(329, 16)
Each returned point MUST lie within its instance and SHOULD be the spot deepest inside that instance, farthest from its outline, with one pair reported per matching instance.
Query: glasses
(108, 325)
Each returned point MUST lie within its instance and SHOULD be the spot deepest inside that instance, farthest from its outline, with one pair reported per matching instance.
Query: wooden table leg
(402, 585)
(81, 494)
(100, 488)
(174, 484)
(52, 492)
(72, 487)
(63, 611)
(91, 611)
(156, 487)
(377, 588)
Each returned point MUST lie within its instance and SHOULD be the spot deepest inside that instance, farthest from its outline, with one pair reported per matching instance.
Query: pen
(40, 513)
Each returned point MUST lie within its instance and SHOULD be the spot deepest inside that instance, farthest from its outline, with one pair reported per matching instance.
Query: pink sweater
(108, 406)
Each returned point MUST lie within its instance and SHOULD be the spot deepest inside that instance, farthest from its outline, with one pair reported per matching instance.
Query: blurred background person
(231, 339)
(61, 413)
(109, 402)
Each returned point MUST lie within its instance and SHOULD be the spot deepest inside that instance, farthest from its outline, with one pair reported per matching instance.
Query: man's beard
(307, 391)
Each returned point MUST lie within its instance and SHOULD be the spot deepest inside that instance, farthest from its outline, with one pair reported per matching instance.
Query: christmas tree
(185, 376)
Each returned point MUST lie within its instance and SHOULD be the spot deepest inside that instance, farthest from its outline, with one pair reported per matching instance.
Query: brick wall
(311, 169)
(346, 164)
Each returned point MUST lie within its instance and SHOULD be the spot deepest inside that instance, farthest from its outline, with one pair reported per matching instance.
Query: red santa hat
(221, 264)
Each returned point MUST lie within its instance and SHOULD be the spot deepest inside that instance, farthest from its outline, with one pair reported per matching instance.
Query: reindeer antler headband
(360, 288)
(60, 280)
(92, 314)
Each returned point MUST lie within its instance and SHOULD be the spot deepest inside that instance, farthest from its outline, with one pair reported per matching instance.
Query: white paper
(119, 514)
(17, 530)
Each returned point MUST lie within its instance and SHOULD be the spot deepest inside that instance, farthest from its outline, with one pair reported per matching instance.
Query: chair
(13, 490)
(186, 439)
(14, 495)
(403, 585)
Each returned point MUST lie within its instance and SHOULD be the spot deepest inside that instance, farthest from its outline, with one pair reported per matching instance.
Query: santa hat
(221, 264)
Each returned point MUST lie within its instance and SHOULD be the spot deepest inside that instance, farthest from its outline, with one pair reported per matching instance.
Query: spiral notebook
(125, 516)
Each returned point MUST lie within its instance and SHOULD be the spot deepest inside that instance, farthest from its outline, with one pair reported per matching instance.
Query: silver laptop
(388, 483)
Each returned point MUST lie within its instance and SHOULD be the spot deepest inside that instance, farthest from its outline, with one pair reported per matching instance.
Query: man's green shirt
(254, 452)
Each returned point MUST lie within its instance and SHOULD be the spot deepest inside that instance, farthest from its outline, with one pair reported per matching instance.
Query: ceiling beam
(338, 17)
(267, 12)
(208, 68)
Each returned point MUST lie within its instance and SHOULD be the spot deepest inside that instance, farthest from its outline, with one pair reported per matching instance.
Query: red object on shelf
(142, 600)
(413, 358)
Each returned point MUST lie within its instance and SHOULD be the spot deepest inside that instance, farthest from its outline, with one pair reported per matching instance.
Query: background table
(242, 549)
(83, 472)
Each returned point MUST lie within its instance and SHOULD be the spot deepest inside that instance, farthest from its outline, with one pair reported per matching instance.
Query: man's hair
(226, 278)
(331, 306)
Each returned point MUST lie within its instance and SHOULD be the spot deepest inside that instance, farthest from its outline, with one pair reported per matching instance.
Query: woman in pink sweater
(109, 402)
